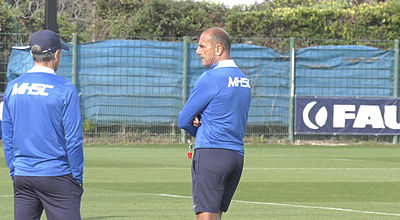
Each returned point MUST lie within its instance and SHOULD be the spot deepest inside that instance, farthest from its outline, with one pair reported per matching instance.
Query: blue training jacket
(222, 97)
(42, 126)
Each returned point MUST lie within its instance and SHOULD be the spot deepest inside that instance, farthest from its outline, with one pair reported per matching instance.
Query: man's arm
(73, 129)
(204, 90)
(8, 133)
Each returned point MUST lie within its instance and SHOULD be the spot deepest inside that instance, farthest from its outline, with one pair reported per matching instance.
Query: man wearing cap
(43, 136)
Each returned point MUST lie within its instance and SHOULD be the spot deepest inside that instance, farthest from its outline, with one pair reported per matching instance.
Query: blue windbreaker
(42, 126)
(222, 97)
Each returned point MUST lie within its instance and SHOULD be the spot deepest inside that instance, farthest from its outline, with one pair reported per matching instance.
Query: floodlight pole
(51, 15)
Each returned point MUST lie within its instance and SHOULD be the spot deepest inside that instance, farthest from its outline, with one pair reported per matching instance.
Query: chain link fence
(132, 91)
(362, 75)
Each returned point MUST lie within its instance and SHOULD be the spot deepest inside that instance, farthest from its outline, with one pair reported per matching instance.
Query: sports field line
(257, 168)
(320, 168)
(294, 206)
(245, 202)
(290, 205)
(258, 203)
(270, 168)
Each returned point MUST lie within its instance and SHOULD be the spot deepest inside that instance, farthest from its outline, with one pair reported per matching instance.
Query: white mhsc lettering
(31, 89)
(239, 82)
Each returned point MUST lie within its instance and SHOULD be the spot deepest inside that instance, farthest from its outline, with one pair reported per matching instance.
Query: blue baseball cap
(48, 40)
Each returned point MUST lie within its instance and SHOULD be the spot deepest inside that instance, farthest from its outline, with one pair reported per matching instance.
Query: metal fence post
(291, 89)
(74, 58)
(184, 79)
(396, 79)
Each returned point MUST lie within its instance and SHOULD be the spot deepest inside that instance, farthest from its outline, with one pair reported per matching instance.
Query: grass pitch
(278, 182)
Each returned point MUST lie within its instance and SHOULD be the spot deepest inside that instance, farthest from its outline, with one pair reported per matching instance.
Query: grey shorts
(215, 177)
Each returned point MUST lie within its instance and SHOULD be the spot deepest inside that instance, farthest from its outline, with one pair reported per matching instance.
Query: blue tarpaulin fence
(140, 81)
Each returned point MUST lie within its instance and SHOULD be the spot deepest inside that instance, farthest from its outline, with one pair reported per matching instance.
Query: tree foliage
(158, 18)
(149, 19)
(323, 20)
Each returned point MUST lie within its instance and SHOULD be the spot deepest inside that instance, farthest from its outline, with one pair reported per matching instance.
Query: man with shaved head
(216, 114)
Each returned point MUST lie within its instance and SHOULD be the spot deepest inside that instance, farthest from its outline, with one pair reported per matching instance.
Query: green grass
(279, 182)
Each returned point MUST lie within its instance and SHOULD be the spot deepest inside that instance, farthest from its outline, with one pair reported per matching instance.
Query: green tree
(150, 19)
(160, 18)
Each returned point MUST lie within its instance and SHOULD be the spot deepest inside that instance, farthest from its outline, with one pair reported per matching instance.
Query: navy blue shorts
(60, 196)
(215, 177)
